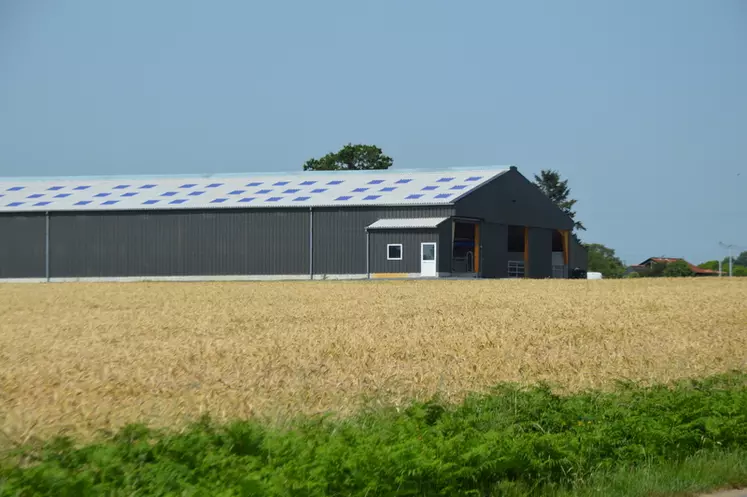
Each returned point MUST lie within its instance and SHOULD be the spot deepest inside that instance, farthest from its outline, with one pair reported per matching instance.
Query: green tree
(677, 269)
(351, 158)
(739, 260)
(551, 185)
(712, 265)
(603, 260)
(740, 271)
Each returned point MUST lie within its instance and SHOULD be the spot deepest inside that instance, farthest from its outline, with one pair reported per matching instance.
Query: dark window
(394, 252)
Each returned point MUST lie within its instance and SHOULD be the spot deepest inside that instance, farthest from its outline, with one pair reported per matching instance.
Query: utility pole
(731, 260)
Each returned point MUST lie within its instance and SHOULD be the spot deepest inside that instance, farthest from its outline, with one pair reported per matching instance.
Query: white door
(428, 259)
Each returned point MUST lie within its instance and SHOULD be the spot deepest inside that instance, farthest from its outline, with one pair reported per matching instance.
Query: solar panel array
(311, 189)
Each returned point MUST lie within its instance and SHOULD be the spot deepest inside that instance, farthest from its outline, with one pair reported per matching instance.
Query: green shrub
(677, 269)
(525, 437)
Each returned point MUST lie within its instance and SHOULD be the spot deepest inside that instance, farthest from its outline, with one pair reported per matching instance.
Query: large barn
(489, 223)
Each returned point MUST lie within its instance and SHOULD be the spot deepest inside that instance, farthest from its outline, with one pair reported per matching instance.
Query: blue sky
(642, 105)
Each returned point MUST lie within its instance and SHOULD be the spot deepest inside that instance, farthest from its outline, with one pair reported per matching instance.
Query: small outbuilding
(487, 223)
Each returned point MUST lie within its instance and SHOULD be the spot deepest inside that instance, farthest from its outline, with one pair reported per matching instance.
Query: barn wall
(577, 255)
(512, 199)
(493, 252)
(22, 245)
(340, 234)
(540, 253)
(410, 240)
(179, 243)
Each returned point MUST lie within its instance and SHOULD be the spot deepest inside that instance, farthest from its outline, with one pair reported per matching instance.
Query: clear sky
(641, 104)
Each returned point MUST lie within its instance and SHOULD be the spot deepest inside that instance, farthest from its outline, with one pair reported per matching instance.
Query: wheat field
(76, 358)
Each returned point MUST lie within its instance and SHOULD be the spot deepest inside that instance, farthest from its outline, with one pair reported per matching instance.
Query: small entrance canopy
(408, 223)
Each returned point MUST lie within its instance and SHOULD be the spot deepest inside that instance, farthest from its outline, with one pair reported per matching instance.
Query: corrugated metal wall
(493, 254)
(577, 256)
(540, 253)
(171, 243)
(340, 235)
(22, 246)
(410, 240)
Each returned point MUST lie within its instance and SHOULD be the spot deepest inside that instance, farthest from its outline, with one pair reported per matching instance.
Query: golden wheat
(81, 357)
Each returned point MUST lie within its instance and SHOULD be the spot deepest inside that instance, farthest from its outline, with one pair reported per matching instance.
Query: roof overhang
(407, 223)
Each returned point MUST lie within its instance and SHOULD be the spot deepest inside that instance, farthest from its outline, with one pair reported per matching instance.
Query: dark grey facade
(297, 242)
(411, 241)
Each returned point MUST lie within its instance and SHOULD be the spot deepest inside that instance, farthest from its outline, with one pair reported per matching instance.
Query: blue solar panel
(178, 201)
(458, 187)
(371, 197)
(274, 199)
(148, 186)
(188, 185)
(121, 187)
(263, 192)
(168, 194)
(106, 194)
(428, 188)
(388, 189)
(62, 195)
(40, 204)
(109, 202)
(55, 188)
(474, 178)
(444, 195)
(254, 183)
(281, 183)
(82, 187)
(359, 190)
(292, 190)
(237, 192)
(413, 196)
(128, 194)
(83, 202)
(301, 199)
(318, 190)
(218, 200)
(195, 194)
(16, 188)
(335, 182)
(344, 197)
(445, 180)
(150, 202)
(247, 199)
(402, 181)
(15, 204)
(307, 183)
(214, 185)
(35, 195)
(376, 182)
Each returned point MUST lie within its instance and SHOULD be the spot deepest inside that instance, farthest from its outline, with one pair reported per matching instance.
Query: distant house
(648, 264)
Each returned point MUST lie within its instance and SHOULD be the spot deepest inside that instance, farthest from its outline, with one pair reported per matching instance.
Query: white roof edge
(407, 223)
(249, 174)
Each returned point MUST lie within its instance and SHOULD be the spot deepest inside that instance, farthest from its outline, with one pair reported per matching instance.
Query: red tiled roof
(667, 260)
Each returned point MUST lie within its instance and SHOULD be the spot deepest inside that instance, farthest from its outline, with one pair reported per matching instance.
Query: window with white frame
(394, 252)
(515, 269)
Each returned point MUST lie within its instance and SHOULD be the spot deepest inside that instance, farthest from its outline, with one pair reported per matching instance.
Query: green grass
(633, 441)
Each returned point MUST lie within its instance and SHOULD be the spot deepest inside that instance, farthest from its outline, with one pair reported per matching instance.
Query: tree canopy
(351, 158)
(551, 185)
(603, 260)
(677, 269)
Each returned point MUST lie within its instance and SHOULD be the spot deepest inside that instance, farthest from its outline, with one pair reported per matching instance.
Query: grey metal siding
(340, 234)
(493, 251)
(577, 255)
(22, 245)
(179, 243)
(540, 253)
(512, 199)
(410, 240)
(445, 246)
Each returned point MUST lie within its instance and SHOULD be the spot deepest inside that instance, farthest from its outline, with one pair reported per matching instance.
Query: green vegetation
(677, 269)
(603, 260)
(351, 158)
(689, 436)
(551, 185)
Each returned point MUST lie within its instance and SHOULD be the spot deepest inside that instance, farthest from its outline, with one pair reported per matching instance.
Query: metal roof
(419, 222)
(303, 189)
